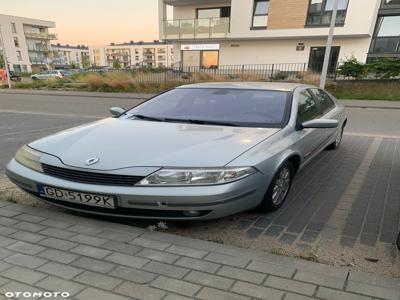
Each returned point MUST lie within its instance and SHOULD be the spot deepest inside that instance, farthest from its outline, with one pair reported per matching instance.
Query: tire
(275, 197)
(35, 78)
(336, 144)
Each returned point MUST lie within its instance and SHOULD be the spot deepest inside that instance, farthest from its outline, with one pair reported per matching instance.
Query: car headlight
(29, 158)
(179, 177)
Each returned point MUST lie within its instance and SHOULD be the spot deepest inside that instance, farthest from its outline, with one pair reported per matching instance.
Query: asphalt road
(25, 117)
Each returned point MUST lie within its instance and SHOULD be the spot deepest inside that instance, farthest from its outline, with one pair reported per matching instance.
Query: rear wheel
(279, 188)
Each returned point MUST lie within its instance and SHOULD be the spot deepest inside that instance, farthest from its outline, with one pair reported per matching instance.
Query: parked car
(51, 74)
(199, 151)
(15, 77)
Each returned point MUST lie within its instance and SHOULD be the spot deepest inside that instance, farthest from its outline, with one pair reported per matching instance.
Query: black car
(14, 76)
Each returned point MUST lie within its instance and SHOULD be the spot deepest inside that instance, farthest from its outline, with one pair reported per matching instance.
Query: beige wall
(284, 14)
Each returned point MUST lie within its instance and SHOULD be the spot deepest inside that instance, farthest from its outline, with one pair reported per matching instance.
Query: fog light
(191, 213)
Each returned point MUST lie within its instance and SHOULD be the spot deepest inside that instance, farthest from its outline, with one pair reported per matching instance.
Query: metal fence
(299, 72)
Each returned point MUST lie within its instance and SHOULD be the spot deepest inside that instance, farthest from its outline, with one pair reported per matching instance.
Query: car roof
(271, 86)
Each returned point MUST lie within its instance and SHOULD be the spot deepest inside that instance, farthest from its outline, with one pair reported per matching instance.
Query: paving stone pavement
(350, 196)
(44, 250)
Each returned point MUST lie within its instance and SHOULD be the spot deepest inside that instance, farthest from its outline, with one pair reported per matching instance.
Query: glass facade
(386, 39)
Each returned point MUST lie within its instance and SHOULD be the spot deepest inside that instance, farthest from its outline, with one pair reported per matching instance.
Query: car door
(328, 111)
(309, 139)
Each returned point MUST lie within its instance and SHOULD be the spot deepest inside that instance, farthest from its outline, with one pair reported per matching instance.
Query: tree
(116, 64)
(85, 61)
(351, 67)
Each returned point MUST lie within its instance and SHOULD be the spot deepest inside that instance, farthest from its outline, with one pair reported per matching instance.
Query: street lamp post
(328, 49)
(5, 59)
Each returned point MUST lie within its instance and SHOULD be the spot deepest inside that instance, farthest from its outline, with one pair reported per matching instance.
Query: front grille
(91, 177)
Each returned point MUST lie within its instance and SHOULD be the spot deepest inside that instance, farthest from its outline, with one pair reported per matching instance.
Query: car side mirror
(117, 111)
(321, 123)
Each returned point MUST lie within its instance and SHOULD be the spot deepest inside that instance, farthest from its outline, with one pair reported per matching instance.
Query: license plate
(76, 197)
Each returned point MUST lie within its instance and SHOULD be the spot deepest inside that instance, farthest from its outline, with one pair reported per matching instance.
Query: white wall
(282, 51)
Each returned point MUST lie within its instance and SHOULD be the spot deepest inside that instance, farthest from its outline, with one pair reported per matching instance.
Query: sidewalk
(43, 250)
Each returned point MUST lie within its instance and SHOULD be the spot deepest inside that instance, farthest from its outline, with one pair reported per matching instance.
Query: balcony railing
(39, 49)
(196, 28)
(40, 35)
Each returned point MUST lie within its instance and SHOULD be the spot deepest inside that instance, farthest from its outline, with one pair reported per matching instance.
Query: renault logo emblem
(92, 161)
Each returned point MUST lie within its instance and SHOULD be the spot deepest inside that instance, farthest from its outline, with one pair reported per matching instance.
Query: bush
(385, 68)
(280, 76)
(351, 67)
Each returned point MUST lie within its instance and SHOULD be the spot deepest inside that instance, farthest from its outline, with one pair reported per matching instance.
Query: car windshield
(216, 106)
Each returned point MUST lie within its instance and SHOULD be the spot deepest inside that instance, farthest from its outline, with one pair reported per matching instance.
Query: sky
(92, 22)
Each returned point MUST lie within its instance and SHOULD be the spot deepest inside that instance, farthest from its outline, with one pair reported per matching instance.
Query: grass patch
(154, 82)
(367, 90)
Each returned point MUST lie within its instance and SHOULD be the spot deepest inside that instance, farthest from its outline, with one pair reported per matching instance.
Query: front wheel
(279, 188)
(336, 144)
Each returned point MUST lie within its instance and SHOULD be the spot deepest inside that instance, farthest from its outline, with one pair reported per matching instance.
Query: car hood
(119, 143)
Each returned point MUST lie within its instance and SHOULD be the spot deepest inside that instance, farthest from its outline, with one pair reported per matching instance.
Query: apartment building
(209, 33)
(26, 42)
(68, 56)
(133, 54)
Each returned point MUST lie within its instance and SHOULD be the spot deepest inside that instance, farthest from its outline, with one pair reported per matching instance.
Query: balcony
(196, 29)
(40, 35)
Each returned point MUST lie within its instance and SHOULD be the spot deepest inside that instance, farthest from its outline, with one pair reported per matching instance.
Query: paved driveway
(45, 251)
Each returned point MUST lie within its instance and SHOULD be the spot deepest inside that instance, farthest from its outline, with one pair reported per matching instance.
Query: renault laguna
(201, 151)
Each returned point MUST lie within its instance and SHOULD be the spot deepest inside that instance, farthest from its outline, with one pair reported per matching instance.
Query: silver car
(199, 151)
(51, 74)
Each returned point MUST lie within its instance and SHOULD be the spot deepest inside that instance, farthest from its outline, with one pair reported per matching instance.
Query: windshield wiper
(148, 118)
(201, 122)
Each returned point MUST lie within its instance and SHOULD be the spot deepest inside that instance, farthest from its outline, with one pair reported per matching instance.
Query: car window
(308, 109)
(243, 107)
(325, 102)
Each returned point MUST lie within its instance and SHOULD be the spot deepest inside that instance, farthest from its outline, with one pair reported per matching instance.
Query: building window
(320, 12)
(387, 36)
(214, 13)
(19, 56)
(16, 42)
(13, 28)
(260, 14)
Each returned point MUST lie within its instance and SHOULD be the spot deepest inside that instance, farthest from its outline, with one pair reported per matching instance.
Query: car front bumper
(172, 203)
